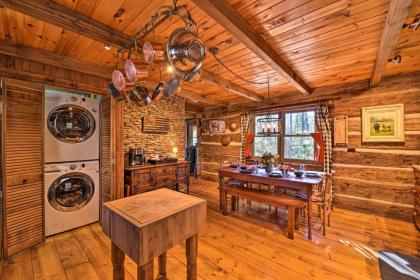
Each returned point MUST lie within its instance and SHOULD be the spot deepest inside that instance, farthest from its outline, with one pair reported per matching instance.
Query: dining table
(289, 181)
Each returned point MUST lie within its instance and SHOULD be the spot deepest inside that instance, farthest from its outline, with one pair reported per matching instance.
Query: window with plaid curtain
(323, 120)
(245, 125)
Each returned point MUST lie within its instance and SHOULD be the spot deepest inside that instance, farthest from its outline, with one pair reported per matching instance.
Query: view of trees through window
(296, 139)
(298, 143)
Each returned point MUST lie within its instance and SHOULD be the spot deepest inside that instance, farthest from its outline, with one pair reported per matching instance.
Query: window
(294, 142)
(298, 142)
(265, 143)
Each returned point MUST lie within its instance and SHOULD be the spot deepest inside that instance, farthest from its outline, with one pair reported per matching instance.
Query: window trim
(281, 136)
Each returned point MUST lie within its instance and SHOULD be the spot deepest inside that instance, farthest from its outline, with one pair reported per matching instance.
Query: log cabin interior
(210, 139)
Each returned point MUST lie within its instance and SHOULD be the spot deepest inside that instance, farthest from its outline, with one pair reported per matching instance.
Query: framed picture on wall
(217, 126)
(383, 123)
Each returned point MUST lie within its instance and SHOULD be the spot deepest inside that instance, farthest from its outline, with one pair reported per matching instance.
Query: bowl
(298, 174)
(243, 167)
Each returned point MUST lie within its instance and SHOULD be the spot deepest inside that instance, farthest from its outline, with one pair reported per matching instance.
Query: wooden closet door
(111, 150)
(22, 174)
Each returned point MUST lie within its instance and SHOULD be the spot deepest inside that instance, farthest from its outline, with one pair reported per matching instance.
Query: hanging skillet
(130, 70)
(172, 86)
(186, 52)
(157, 90)
(140, 94)
(160, 86)
(148, 52)
(118, 80)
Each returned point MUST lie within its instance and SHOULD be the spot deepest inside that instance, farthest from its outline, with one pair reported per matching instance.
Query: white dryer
(71, 195)
(71, 127)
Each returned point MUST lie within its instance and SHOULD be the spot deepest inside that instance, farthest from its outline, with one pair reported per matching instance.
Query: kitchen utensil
(130, 71)
(172, 86)
(157, 90)
(118, 95)
(148, 52)
(186, 52)
(118, 80)
(140, 94)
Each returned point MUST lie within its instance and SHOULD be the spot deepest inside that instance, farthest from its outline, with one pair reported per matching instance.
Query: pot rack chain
(163, 14)
(214, 52)
(160, 16)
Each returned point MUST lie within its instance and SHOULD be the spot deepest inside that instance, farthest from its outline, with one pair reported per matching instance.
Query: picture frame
(217, 126)
(383, 123)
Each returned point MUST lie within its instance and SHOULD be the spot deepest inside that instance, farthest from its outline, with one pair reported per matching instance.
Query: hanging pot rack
(178, 52)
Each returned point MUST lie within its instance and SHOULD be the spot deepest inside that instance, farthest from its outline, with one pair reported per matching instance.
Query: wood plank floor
(250, 244)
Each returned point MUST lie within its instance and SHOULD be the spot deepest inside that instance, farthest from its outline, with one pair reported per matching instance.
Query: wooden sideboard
(140, 179)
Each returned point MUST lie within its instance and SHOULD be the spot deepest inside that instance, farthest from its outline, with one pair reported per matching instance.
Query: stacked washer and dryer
(71, 156)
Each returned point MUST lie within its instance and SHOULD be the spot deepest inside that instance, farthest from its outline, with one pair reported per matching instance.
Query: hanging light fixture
(268, 125)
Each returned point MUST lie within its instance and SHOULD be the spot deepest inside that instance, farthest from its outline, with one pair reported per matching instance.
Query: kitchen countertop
(137, 167)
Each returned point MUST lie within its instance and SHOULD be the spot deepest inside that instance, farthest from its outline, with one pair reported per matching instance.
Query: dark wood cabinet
(139, 179)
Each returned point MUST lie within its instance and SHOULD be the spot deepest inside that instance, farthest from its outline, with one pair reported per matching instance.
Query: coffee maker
(136, 156)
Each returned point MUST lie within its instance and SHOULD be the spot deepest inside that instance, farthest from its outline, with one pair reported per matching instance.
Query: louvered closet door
(22, 165)
(105, 150)
(111, 150)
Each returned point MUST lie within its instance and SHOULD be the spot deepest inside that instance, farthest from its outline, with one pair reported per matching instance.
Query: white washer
(71, 196)
(71, 127)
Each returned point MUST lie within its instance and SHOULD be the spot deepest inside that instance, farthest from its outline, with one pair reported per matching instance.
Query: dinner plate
(276, 174)
(312, 174)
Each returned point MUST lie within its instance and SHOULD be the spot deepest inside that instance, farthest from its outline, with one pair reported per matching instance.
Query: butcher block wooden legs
(192, 253)
(117, 257)
(146, 272)
(162, 266)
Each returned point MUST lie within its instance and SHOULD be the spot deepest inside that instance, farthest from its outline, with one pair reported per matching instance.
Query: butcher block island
(147, 225)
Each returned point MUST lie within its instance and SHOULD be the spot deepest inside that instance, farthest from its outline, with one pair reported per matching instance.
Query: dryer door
(71, 191)
(71, 123)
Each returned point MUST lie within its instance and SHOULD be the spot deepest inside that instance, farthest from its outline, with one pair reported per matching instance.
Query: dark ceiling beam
(226, 15)
(50, 11)
(396, 17)
(232, 87)
(17, 50)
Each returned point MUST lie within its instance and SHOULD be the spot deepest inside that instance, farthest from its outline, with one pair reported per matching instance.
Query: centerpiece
(268, 160)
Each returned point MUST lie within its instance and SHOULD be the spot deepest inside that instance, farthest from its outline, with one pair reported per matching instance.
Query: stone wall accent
(172, 108)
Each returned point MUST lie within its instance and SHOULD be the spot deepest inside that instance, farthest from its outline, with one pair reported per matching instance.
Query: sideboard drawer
(142, 178)
(165, 180)
(165, 171)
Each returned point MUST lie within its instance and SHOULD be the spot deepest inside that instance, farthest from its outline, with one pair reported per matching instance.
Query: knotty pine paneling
(23, 165)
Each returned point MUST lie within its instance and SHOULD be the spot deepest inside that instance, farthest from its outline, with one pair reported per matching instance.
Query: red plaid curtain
(323, 120)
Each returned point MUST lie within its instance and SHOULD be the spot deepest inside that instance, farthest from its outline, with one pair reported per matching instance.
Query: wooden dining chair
(323, 199)
(231, 182)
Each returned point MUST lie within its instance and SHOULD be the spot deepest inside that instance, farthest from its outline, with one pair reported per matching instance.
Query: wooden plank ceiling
(324, 41)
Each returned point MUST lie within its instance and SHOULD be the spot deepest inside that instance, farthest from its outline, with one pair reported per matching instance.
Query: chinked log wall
(212, 152)
(377, 177)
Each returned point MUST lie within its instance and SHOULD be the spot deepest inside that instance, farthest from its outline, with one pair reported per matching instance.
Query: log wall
(370, 177)
(212, 152)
